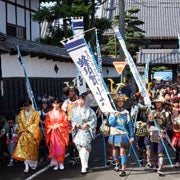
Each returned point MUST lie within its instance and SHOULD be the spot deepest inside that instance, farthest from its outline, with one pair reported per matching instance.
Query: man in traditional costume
(57, 135)
(121, 129)
(68, 106)
(29, 136)
(140, 114)
(84, 122)
(157, 126)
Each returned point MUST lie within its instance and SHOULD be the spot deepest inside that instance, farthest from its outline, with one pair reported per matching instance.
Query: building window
(17, 31)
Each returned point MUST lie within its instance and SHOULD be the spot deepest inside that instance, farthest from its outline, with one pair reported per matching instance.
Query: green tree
(134, 36)
(64, 10)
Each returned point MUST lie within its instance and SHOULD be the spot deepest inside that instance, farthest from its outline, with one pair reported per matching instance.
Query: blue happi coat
(121, 126)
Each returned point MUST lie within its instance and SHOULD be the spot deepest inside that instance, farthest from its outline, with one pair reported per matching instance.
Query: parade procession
(67, 112)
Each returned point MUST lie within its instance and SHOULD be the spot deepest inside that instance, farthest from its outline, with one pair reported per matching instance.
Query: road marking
(38, 173)
(42, 170)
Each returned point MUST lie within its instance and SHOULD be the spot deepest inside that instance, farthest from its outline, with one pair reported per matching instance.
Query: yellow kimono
(29, 136)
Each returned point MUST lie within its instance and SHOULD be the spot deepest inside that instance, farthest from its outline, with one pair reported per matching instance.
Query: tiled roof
(158, 56)
(8, 44)
(161, 17)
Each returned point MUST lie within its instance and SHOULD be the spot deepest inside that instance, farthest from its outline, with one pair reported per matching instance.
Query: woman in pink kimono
(57, 136)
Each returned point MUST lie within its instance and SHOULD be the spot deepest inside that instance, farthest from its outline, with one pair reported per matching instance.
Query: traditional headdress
(114, 89)
(72, 85)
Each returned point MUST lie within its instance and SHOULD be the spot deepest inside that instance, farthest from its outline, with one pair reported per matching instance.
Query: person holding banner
(57, 136)
(120, 122)
(140, 114)
(157, 125)
(29, 136)
(84, 123)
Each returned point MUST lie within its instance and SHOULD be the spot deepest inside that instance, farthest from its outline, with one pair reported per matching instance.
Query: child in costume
(84, 122)
(12, 138)
(121, 128)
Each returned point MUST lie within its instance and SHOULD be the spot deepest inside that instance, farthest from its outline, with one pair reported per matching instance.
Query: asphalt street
(97, 169)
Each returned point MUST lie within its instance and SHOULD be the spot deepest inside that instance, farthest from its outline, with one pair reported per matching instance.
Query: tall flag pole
(98, 51)
(28, 85)
(146, 70)
(133, 68)
(78, 28)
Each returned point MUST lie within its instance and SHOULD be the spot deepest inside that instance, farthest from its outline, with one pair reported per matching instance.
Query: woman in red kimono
(57, 135)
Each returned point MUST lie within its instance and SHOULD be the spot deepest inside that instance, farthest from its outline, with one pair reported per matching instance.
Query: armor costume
(121, 134)
(157, 126)
(141, 132)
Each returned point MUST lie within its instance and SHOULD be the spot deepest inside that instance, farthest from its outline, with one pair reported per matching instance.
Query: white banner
(84, 61)
(78, 28)
(133, 68)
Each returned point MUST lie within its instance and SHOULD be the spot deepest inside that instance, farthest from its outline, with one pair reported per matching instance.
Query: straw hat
(159, 99)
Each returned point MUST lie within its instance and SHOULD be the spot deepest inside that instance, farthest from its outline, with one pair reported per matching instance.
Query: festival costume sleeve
(92, 123)
(21, 126)
(47, 128)
(92, 120)
(29, 137)
(130, 127)
(112, 120)
(64, 127)
(74, 120)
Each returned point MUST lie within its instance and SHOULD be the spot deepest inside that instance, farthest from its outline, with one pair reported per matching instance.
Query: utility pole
(122, 31)
(121, 25)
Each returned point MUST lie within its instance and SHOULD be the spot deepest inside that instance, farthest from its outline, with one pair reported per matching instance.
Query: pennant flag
(146, 70)
(28, 85)
(77, 25)
(133, 68)
(84, 60)
(119, 66)
(78, 28)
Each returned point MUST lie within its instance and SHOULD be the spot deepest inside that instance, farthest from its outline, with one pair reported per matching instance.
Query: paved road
(97, 170)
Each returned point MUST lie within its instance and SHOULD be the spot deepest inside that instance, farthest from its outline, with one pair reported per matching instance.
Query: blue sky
(165, 75)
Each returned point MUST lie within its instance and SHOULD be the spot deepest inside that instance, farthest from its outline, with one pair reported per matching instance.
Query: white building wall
(2, 17)
(36, 67)
(11, 17)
